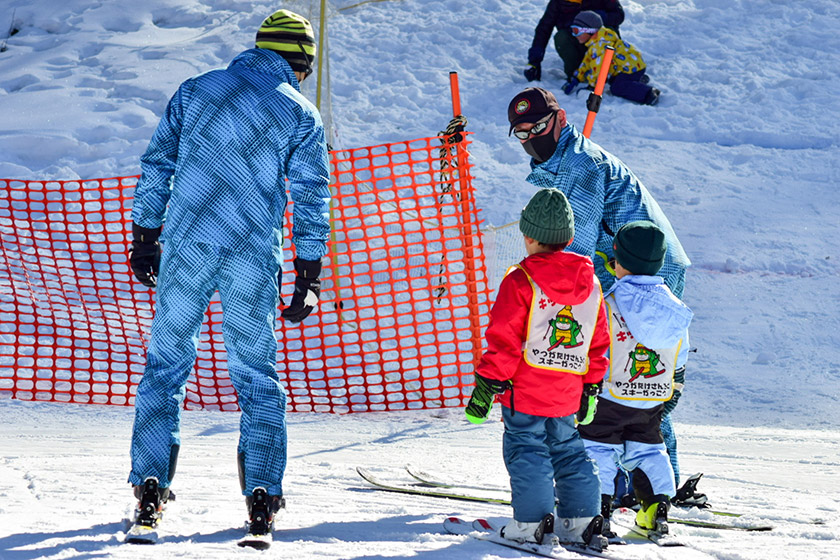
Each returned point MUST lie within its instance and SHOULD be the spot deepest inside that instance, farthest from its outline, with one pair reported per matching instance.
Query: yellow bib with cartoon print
(559, 335)
(638, 373)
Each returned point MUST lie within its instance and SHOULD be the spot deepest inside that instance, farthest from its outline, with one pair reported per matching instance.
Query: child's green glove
(588, 403)
(481, 400)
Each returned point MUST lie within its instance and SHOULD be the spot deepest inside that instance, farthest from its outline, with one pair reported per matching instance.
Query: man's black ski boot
(687, 495)
(152, 501)
(261, 508)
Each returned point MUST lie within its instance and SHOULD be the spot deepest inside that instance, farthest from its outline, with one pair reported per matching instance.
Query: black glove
(144, 254)
(307, 290)
(570, 85)
(679, 381)
(533, 72)
(481, 400)
(588, 403)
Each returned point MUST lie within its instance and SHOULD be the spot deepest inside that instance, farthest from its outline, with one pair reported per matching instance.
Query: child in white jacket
(648, 343)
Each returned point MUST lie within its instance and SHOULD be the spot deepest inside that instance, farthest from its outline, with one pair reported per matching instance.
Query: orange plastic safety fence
(404, 296)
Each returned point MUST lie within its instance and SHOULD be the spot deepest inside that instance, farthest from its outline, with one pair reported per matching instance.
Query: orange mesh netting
(404, 296)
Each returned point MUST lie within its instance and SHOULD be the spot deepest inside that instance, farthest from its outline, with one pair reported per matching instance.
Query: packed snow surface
(741, 153)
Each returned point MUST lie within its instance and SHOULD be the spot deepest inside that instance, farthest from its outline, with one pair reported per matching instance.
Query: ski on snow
(437, 489)
(137, 533)
(140, 534)
(635, 534)
(143, 534)
(429, 479)
(259, 542)
(482, 530)
(420, 491)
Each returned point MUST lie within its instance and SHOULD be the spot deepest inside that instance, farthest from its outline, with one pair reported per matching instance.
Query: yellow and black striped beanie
(291, 36)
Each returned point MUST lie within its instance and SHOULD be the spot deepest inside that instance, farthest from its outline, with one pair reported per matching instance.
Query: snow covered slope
(741, 153)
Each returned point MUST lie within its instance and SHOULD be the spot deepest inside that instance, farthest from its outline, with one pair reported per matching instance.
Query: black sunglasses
(538, 128)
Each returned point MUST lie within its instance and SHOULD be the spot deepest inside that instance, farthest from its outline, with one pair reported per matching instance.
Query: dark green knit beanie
(640, 247)
(548, 218)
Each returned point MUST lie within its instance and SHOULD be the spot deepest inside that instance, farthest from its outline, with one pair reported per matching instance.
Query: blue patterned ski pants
(189, 276)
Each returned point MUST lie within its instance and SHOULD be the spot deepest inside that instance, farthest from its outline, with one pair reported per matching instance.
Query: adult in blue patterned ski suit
(215, 176)
(603, 192)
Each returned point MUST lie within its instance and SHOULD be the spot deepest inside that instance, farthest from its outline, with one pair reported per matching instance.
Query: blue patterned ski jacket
(215, 170)
(604, 195)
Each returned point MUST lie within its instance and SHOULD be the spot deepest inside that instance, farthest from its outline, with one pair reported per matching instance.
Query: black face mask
(541, 148)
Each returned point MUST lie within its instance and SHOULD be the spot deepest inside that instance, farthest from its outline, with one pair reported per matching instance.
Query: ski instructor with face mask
(214, 188)
(603, 192)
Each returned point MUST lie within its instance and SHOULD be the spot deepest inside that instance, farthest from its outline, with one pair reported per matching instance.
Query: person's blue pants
(545, 457)
(670, 438)
(190, 274)
(624, 486)
(650, 458)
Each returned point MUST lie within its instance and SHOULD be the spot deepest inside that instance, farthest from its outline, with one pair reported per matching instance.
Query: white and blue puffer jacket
(655, 317)
(215, 170)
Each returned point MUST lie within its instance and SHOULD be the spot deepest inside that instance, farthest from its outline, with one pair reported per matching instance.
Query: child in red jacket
(545, 357)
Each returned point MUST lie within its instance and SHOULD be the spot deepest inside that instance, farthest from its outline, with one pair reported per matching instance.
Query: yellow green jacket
(627, 58)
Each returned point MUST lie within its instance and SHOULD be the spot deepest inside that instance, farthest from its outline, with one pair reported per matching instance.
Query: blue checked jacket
(604, 195)
(215, 170)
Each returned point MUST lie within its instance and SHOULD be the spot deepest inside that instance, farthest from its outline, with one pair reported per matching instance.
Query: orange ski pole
(594, 101)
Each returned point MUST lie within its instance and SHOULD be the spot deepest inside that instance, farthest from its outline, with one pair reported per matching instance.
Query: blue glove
(570, 85)
(533, 72)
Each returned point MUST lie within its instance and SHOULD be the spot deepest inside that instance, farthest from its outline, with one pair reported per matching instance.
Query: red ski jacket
(568, 279)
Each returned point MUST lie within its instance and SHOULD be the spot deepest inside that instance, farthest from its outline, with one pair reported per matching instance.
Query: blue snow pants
(622, 483)
(545, 457)
(670, 438)
(630, 86)
(190, 274)
(650, 458)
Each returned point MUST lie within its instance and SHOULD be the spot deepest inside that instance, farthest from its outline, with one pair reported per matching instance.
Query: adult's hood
(265, 62)
(655, 316)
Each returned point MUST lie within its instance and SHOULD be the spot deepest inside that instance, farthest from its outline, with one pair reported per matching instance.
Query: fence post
(462, 158)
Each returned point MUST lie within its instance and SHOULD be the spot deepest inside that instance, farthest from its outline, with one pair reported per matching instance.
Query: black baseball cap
(531, 105)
